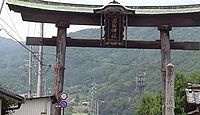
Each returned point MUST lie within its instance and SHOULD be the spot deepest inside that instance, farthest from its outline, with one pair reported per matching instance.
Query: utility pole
(30, 73)
(97, 107)
(141, 83)
(40, 64)
(165, 59)
(93, 101)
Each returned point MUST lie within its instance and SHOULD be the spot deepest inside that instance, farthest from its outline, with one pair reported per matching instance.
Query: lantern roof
(193, 87)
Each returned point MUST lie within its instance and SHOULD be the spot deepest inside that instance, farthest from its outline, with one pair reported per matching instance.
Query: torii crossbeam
(95, 43)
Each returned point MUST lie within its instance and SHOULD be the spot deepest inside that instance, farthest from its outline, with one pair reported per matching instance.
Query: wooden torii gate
(66, 14)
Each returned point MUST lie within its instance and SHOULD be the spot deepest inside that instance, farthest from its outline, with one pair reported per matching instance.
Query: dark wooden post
(60, 63)
(165, 57)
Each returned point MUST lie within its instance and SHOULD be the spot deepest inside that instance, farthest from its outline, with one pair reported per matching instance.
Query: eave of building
(83, 8)
(43, 97)
(6, 94)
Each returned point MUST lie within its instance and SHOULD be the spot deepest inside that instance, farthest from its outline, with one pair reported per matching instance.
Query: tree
(151, 103)
(181, 82)
(7, 103)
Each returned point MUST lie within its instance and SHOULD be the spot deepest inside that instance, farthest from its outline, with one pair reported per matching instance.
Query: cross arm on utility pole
(138, 44)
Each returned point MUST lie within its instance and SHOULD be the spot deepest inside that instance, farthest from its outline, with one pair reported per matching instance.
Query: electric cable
(20, 43)
(13, 23)
(33, 52)
(19, 37)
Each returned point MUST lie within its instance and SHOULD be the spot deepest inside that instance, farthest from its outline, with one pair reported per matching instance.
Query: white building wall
(35, 107)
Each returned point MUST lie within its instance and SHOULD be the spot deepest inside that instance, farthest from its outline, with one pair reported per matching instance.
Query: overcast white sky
(32, 29)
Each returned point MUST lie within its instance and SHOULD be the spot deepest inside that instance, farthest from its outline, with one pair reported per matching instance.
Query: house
(8, 98)
(35, 106)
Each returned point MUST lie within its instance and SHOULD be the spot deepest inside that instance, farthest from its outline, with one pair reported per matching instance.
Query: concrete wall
(38, 106)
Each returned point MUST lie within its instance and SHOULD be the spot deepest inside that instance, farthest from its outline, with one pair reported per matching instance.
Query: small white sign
(63, 96)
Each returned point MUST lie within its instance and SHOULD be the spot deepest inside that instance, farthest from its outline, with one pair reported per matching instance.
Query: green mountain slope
(114, 70)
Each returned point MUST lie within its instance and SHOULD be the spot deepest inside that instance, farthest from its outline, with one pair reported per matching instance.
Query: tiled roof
(84, 8)
(4, 93)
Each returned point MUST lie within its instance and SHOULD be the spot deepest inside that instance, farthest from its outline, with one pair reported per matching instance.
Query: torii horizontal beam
(190, 19)
(97, 43)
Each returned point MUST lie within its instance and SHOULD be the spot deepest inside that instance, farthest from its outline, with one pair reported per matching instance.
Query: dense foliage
(7, 103)
(151, 103)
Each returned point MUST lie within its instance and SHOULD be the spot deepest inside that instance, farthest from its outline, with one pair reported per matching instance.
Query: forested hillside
(114, 70)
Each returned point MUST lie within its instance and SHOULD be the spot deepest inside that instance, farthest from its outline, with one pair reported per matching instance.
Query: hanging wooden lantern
(114, 19)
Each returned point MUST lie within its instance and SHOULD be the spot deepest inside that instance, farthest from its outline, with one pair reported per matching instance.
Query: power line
(13, 23)
(33, 52)
(17, 40)
(49, 66)
(10, 28)
(2, 6)
(20, 43)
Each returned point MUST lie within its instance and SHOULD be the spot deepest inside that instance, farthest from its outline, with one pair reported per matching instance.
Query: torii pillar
(165, 59)
(60, 63)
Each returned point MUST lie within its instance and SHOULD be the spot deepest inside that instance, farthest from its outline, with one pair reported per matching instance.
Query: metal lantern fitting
(193, 93)
(193, 99)
(114, 20)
